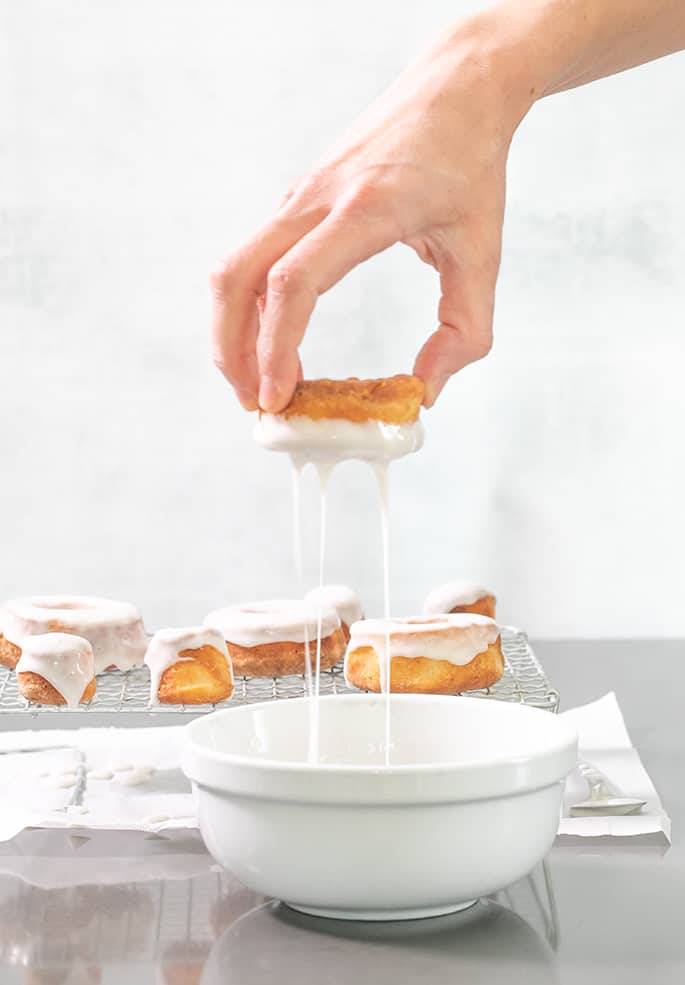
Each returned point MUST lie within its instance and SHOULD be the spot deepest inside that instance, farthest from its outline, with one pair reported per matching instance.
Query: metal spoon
(603, 798)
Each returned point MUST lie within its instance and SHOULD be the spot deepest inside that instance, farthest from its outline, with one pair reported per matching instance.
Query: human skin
(425, 166)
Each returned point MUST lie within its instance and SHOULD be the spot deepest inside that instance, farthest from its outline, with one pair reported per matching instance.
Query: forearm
(547, 46)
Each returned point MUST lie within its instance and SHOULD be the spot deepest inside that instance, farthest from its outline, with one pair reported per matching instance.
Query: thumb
(465, 331)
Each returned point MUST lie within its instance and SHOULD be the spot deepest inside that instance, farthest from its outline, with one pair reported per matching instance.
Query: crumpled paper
(34, 765)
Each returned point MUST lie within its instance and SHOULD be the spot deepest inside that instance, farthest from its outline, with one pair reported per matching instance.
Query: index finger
(308, 269)
(236, 287)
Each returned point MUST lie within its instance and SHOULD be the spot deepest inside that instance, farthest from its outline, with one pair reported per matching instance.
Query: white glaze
(274, 621)
(334, 440)
(135, 777)
(154, 819)
(77, 809)
(446, 597)
(297, 557)
(342, 598)
(121, 767)
(99, 774)
(62, 660)
(62, 782)
(167, 645)
(457, 638)
(114, 629)
(384, 657)
(325, 443)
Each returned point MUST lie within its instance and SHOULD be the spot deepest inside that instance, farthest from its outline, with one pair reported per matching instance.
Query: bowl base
(420, 913)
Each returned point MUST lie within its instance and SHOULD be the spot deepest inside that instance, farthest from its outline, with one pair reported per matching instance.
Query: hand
(424, 166)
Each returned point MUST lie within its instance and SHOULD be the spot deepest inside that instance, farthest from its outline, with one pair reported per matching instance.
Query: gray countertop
(134, 908)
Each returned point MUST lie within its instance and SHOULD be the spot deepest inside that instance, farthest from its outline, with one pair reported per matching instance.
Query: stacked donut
(272, 638)
(59, 643)
(454, 646)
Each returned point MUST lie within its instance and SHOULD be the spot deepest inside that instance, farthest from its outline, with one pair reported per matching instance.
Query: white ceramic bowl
(469, 804)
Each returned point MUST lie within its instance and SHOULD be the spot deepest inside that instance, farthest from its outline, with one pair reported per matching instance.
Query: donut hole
(66, 605)
(423, 620)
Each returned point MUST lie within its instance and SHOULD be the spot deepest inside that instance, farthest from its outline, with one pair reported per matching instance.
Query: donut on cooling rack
(272, 639)
(343, 599)
(444, 654)
(336, 419)
(56, 669)
(460, 596)
(189, 666)
(114, 629)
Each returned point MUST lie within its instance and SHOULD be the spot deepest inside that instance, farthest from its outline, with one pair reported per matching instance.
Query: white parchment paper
(34, 764)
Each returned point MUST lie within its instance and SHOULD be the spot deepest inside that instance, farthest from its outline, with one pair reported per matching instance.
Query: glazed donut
(189, 666)
(343, 599)
(270, 639)
(56, 669)
(394, 400)
(372, 420)
(460, 596)
(114, 629)
(428, 654)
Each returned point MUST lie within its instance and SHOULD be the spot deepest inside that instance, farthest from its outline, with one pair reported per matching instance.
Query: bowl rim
(566, 739)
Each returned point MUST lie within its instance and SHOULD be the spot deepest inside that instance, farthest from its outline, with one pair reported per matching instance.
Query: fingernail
(270, 395)
(430, 393)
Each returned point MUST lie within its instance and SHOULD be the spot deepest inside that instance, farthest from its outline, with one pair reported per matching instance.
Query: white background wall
(140, 140)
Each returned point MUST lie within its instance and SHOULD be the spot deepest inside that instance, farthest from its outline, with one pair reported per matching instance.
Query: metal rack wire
(523, 682)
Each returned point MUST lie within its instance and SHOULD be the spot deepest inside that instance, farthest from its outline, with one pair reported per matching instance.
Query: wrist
(490, 46)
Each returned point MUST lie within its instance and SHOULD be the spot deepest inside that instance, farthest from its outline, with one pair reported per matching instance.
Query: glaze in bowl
(468, 804)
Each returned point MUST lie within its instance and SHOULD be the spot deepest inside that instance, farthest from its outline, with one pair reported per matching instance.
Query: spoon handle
(599, 787)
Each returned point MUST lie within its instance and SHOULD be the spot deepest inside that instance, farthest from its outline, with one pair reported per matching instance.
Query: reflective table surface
(125, 907)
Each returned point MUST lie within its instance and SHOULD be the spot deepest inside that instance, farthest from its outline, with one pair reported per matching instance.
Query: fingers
(465, 331)
(294, 283)
(236, 287)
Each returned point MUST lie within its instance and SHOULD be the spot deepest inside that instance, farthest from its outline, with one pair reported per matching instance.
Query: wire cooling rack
(523, 682)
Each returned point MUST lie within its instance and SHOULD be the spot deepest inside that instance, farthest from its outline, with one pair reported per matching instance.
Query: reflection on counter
(477, 945)
(189, 923)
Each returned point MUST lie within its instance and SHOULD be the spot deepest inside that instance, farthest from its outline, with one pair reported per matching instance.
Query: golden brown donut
(189, 666)
(270, 639)
(484, 606)
(343, 599)
(9, 653)
(460, 596)
(114, 629)
(56, 669)
(285, 658)
(202, 677)
(428, 655)
(35, 688)
(394, 400)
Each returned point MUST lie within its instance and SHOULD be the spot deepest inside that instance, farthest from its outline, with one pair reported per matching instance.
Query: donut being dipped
(460, 596)
(445, 654)
(272, 638)
(331, 420)
(189, 666)
(114, 630)
(343, 599)
(56, 669)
